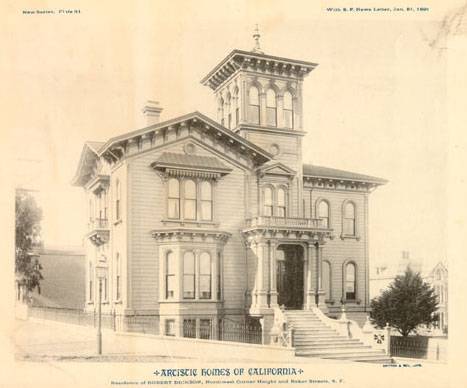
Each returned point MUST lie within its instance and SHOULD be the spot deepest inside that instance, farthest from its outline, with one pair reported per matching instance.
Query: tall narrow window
(206, 201)
(323, 213)
(253, 106)
(173, 205)
(91, 211)
(91, 283)
(219, 276)
(271, 108)
(189, 275)
(281, 203)
(104, 195)
(268, 206)
(117, 200)
(350, 281)
(190, 200)
(205, 276)
(170, 276)
(236, 108)
(117, 276)
(288, 110)
(228, 109)
(349, 219)
(326, 279)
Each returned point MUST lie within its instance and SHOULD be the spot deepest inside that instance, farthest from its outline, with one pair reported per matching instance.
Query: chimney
(152, 112)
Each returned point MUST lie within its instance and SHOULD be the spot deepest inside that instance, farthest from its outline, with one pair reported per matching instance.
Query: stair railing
(282, 332)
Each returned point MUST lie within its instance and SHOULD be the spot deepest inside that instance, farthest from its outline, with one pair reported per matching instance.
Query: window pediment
(276, 169)
(195, 166)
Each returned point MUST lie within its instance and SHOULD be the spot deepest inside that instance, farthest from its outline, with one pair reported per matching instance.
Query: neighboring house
(64, 280)
(194, 221)
(383, 274)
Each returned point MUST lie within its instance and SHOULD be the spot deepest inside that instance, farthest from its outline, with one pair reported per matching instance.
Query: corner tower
(259, 96)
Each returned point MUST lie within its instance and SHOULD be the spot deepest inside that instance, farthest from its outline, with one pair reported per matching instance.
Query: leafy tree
(27, 239)
(406, 304)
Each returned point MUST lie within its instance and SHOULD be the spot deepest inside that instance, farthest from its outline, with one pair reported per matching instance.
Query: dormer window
(253, 106)
(271, 108)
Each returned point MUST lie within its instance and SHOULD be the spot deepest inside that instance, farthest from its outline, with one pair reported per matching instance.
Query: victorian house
(194, 221)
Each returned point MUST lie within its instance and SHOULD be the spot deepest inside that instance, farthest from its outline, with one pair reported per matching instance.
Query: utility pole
(99, 317)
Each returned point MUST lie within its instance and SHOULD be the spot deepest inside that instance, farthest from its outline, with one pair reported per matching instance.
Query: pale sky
(374, 105)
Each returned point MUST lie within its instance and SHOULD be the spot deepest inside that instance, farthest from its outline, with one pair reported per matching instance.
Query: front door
(289, 272)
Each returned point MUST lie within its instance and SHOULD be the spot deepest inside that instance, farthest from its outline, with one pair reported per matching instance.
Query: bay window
(206, 201)
(170, 266)
(189, 276)
(189, 206)
(173, 198)
(205, 276)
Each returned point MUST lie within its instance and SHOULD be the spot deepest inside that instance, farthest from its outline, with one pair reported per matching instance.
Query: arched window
(281, 203)
(323, 213)
(271, 108)
(189, 275)
(326, 279)
(190, 200)
(253, 105)
(236, 107)
(170, 275)
(350, 281)
(206, 201)
(205, 276)
(228, 110)
(349, 219)
(117, 200)
(268, 204)
(221, 110)
(173, 204)
(288, 110)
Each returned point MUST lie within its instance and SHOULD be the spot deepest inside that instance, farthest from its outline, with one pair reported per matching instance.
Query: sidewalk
(40, 340)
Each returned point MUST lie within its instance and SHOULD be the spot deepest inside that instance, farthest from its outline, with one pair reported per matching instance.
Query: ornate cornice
(190, 235)
(257, 62)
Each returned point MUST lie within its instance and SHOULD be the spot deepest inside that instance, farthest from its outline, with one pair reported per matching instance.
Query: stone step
(340, 353)
(326, 347)
(374, 358)
(319, 341)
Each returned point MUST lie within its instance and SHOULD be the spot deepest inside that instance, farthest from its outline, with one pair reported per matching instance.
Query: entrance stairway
(314, 338)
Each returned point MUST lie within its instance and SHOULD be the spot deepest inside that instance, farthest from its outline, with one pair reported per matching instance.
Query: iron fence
(247, 332)
(74, 316)
(418, 347)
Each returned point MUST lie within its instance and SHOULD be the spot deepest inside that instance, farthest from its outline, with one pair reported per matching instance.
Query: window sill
(89, 302)
(192, 223)
(350, 237)
(352, 301)
(119, 221)
(118, 301)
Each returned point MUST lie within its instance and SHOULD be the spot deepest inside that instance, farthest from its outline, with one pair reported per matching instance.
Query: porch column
(319, 295)
(309, 280)
(261, 293)
(273, 276)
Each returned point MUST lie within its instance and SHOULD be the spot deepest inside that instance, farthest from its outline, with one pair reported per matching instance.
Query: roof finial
(256, 36)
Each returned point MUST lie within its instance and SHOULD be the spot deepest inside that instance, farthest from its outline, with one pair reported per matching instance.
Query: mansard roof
(248, 60)
(313, 171)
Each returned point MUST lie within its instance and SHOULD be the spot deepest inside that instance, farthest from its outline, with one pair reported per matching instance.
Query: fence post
(388, 339)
